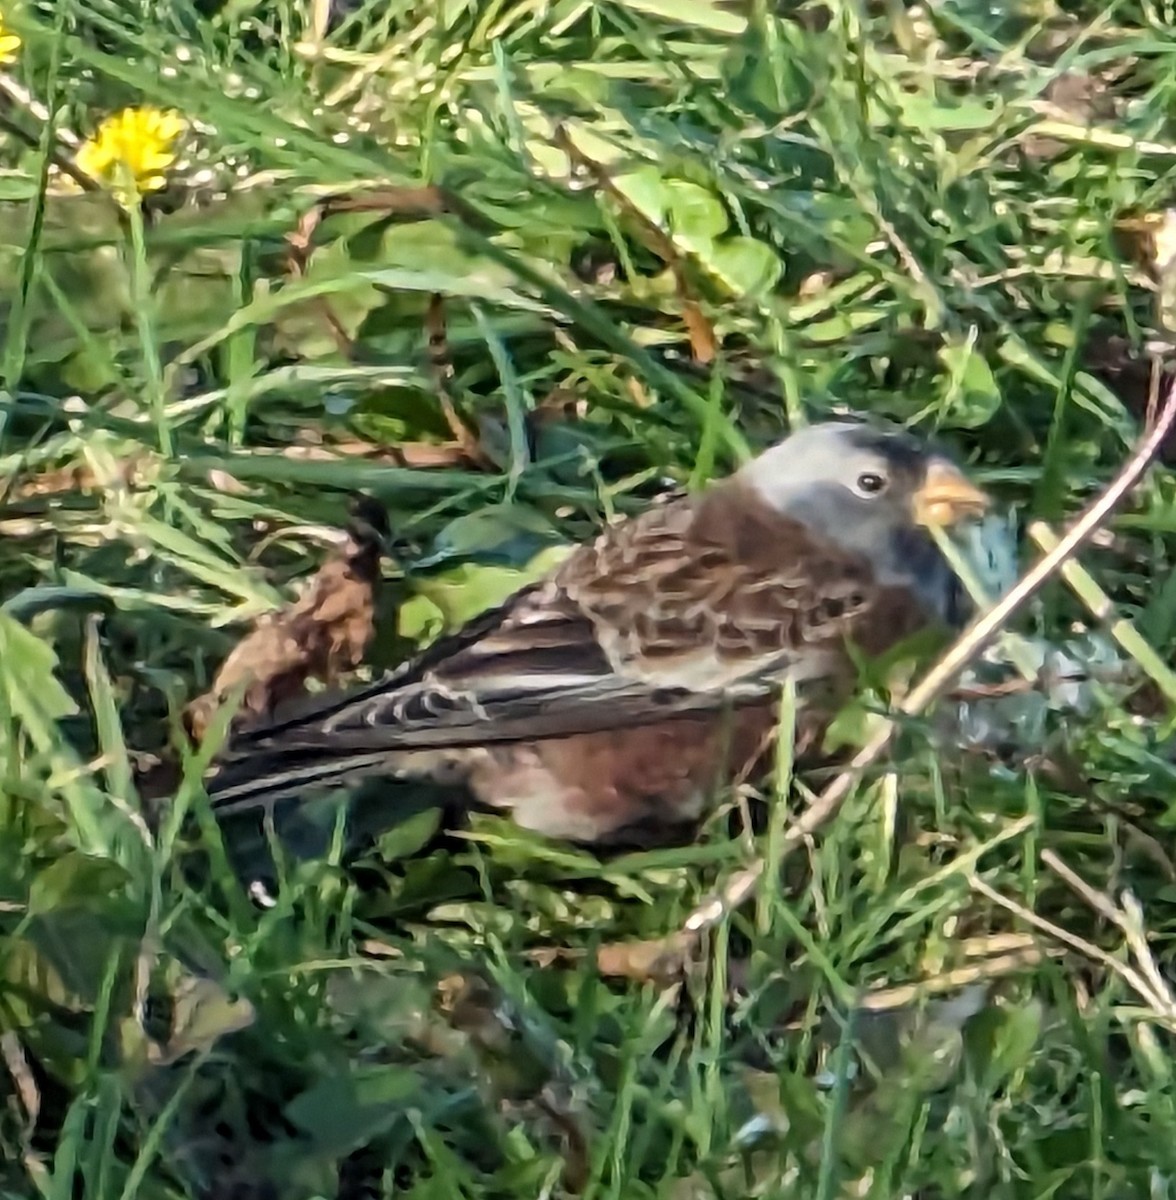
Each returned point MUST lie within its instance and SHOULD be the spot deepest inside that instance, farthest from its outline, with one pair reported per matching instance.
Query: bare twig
(971, 642)
(320, 19)
(1129, 920)
(1158, 1003)
(996, 967)
(301, 244)
(23, 1079)
(1135, 934)
(60, 159)
(20, 97)
(441, 364)
(1100, 902)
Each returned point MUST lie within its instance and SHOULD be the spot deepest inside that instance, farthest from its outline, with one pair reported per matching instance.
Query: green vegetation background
(679, 228)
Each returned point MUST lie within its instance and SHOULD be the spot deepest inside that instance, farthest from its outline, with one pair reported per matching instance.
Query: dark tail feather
(269, 778)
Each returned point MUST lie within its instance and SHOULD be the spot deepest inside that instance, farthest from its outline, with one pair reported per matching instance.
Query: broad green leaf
(695, 214)
(971, 395)
(746, 266)
(448, 601)
(31, 982)
(929, 113)
(510, 534)
(646, 191)
(1001, 1041)
(202, 1013)
(482, 283)
(16, 185)
(342, 1111)
(69, 949)
(409, 836)
(75, 880)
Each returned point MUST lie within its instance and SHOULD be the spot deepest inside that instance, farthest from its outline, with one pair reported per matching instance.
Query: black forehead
(904, 451)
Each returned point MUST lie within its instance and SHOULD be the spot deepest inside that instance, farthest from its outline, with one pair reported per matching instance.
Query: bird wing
(694, 605)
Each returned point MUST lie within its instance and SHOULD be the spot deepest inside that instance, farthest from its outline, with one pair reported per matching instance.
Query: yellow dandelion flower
(131, 150)
(9, 45)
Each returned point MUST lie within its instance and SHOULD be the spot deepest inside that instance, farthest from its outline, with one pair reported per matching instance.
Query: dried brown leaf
(406, 454)
(319, 636)
(441, 362)
(660, 960)
(78, 477)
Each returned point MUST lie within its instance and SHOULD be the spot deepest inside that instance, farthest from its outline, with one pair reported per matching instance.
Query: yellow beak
(946, 497)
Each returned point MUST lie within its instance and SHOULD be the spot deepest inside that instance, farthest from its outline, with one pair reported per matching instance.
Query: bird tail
(266, 779)
(313, 752)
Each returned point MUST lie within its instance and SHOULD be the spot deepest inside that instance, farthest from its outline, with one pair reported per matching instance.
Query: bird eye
(870, 483)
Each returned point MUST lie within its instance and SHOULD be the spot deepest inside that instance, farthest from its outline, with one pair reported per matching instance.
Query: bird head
(868, 490)
(861, 473)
